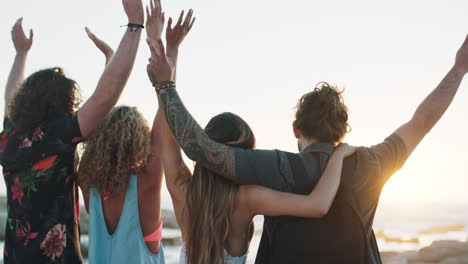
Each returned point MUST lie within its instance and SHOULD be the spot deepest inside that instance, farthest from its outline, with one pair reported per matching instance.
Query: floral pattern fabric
(42, 194)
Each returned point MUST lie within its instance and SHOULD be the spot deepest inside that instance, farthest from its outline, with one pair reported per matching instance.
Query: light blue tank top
(126, 244)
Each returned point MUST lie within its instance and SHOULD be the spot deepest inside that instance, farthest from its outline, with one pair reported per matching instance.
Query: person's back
(120, 174)
(122, 242)
(345, 234)
(41, 192)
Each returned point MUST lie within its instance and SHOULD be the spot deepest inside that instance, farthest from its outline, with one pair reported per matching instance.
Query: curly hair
(116, 149)
(45, 95)
(210, 198)
(322, 114)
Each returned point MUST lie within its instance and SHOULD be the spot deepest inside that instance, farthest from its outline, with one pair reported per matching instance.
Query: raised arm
(101, 45)
(188, 133)
(260, 200)
(172, 157)
(434, 106)
(22, 45)
(116, 74)
(154, 168)
(176, 35)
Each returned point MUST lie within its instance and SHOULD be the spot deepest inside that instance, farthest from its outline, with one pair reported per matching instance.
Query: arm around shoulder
(261, 200)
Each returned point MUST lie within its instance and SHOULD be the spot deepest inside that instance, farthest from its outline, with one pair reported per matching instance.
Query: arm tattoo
(193, 139)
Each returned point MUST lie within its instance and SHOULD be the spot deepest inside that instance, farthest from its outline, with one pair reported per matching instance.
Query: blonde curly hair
(116, 149)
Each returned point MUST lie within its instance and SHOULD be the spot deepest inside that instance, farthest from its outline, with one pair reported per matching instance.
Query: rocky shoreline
(439, 252)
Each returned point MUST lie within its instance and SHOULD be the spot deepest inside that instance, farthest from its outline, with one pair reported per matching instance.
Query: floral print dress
(42, 194)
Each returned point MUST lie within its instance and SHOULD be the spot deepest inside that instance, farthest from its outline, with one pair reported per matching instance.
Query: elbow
(322, 211)
(424, 122)
(192, 156)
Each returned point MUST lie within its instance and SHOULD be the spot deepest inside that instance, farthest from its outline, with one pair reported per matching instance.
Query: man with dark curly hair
(345, 234)
(40, 133)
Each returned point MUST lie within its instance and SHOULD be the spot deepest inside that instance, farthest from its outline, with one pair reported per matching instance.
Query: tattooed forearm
(193, 139)
(435, 105)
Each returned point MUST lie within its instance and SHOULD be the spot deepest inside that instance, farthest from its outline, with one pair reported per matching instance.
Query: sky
(256, 58)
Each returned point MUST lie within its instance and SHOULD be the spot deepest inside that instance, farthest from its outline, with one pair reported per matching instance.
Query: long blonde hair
(116, 149)
(210, 198)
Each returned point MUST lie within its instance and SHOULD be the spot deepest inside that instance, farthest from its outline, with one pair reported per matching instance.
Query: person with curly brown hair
(345, 234)
(120, 175)
(41, 130)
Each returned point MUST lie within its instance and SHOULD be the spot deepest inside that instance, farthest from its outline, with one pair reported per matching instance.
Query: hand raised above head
(176, 35)
(101, 45)
(461, 62)
(21, 42)
(134, 11)
(160, 67)
(155, 20)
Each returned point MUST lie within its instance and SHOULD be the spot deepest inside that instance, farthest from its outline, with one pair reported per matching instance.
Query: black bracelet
(134, 27)
(163, 85)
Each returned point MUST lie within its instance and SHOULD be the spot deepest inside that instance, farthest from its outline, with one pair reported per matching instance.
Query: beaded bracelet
(163, 85)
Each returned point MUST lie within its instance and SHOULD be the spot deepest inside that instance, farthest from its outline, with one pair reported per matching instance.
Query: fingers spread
(148, 14)
(188, 18)
(179, 23)
(169, 24)
(191, 24)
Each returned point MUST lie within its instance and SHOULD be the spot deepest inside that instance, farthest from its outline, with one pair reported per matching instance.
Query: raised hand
(176, 35)
(21, 42)
(461, 62)
(155, 20)
(134, 11)
(101, 45)
(160, 67)
(344, 150)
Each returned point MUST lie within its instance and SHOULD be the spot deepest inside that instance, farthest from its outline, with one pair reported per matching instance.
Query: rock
(84, 220)
(392, 258)
(169, 219)
(455, 260)
(84, 248)
(440, 250)
(172, 241)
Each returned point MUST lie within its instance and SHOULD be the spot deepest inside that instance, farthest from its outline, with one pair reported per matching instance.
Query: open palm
(21, 42)
(101, 45)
